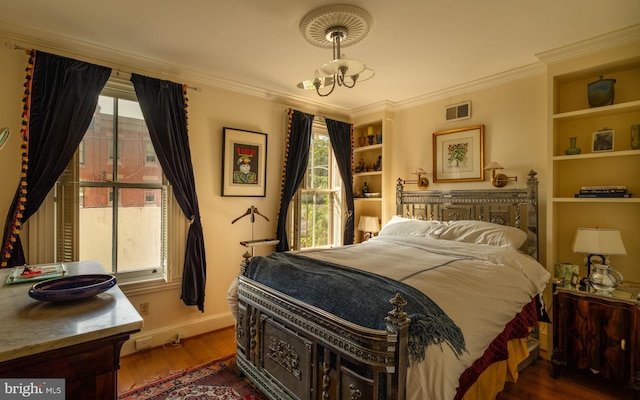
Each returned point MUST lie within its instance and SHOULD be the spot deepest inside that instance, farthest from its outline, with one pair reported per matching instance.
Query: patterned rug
(215, 380)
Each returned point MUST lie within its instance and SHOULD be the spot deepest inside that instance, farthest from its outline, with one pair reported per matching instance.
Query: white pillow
(482, 232)
(399, 226)
(396, 218)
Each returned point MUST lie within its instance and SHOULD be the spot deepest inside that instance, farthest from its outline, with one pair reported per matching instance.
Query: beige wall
(514, 119)
(514, 115)
(11, 91)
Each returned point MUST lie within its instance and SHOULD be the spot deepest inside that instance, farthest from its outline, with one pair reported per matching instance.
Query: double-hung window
(113, 202)
(317, 205)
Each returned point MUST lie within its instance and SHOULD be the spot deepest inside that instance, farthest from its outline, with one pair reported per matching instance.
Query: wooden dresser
(78, 341)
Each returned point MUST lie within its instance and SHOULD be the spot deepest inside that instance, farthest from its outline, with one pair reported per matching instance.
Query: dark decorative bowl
(601, 92)
(71, 288)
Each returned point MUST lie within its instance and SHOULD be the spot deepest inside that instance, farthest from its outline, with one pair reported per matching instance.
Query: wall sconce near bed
(369, 226)
(422, 181)
(498, 180)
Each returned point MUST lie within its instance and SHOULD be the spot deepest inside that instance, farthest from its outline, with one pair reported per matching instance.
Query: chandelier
(334, 27)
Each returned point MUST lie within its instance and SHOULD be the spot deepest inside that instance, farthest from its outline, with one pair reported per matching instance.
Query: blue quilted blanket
(357, 296)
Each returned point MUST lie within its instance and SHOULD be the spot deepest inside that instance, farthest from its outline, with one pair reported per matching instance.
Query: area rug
(215, 380)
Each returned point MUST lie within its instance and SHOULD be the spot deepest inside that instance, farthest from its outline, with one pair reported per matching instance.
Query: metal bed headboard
(512, 207)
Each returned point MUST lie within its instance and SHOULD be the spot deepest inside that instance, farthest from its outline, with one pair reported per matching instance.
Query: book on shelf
(604, 195)
(604, 187)
(589, 191)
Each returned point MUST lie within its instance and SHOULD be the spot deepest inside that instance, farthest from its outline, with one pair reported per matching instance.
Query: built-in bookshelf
(371, 138)
(570, 116)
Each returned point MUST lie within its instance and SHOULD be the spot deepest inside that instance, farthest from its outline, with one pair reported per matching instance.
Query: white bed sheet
(480, 287)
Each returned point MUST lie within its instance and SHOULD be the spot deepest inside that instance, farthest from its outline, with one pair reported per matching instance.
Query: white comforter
(480, 287)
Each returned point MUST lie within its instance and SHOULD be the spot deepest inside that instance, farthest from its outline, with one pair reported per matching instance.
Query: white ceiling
(416, 47)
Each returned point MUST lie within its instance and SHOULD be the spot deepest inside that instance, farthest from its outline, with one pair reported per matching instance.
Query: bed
(437, 306)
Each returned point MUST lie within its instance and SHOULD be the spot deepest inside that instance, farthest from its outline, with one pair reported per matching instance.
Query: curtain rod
(13, 46)
(128, 74)
(286, 109)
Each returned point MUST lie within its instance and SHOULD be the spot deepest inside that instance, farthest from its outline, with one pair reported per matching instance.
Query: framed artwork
(603, 140)
(458, 155)
(244, 163)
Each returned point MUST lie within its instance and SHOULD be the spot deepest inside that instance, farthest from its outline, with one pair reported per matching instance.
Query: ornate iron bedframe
(513, 207)
(292, 350)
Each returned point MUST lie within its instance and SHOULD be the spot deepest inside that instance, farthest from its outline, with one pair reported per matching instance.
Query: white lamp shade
(598, 241)
(369, 224)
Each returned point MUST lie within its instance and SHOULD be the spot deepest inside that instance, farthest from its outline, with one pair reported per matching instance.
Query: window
(117, 212)
(317, 206)
(151, 153)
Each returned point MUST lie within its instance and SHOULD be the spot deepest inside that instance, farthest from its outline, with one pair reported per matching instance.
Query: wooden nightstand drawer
(597, 332)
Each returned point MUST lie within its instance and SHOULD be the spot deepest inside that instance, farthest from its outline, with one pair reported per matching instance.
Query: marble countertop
(30, 326)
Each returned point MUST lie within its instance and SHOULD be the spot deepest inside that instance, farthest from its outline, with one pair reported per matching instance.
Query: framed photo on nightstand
(567, 274)
(575, 278)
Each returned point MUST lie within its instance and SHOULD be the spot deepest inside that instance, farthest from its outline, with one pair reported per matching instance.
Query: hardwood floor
(534, 383)
(141, 367)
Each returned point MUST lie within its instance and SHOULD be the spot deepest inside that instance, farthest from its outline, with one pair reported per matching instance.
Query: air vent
(458, 111)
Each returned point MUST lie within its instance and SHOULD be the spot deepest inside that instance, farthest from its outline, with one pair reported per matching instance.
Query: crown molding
(379, 107)
(478, 84)
(617, 38)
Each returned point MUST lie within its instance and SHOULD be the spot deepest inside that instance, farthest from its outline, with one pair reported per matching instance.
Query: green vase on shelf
(572, 150)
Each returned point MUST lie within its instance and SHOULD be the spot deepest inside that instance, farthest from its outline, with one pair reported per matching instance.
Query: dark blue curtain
(60, 100)
(164, 107)
(295, 165)
(341, 141)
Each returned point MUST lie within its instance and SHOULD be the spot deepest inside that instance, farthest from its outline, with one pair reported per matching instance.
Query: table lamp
(369, 225)
(598, 244)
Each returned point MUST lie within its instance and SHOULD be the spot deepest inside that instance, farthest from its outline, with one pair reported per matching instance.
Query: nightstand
(599, 332)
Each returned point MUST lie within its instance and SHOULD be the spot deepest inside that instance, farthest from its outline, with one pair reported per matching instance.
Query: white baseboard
(166, 334)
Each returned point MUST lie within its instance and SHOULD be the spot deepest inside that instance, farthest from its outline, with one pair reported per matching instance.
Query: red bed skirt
(518, 328)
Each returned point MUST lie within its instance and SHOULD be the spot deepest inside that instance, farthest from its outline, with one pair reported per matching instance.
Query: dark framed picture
(244, 163)
(458, 155)
(603, 140)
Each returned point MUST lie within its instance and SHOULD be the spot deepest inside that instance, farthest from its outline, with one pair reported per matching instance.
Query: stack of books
(603, 191)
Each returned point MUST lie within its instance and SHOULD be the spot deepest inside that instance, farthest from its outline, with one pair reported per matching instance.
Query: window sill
(147, 286)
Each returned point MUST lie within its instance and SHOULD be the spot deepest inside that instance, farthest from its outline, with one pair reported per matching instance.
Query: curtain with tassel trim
(341, 138)
(164, 107)
(60, 99)
(295, 164)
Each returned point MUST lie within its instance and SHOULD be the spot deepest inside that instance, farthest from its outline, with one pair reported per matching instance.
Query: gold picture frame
(458, 155)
